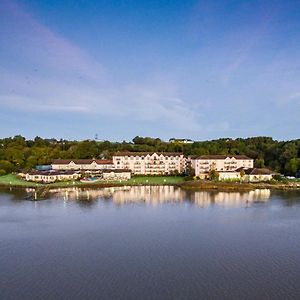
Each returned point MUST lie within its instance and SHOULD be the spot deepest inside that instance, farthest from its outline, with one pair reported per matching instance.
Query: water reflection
(181, 250)
(205, 198)
(156, 195)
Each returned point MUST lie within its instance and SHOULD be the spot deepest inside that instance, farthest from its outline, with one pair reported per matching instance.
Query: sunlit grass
(12, 179)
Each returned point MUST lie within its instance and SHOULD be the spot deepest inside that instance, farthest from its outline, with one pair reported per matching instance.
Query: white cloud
(294, 96)
(63, 78)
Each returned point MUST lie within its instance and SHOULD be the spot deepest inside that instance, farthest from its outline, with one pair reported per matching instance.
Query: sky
(184, 69)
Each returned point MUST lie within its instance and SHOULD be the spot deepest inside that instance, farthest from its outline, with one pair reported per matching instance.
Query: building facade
(116, 174)
(49, 176)
(229, 175)
(203, 164)
(82, 164)
(258, 175)
(150, 163)
(181, 141)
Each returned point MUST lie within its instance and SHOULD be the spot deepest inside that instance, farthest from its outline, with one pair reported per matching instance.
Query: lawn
(159, 180)
(12, 179)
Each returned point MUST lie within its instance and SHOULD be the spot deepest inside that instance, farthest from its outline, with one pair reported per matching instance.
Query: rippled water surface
(150, 243)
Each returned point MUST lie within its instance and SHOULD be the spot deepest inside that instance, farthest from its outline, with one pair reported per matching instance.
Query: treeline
(18, 153)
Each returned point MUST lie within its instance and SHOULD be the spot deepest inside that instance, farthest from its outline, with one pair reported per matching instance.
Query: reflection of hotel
(75, 193)
(230, 198)
(149, 194)
(122, 195)
(155, 195)
(149, 163)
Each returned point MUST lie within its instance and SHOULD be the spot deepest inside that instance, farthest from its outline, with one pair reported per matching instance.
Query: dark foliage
(18, 153)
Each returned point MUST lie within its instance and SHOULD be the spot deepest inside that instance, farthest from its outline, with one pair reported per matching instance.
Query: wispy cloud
(246, 45)
(63, 78)
(30, 39)
(290, 99)
(294, 96)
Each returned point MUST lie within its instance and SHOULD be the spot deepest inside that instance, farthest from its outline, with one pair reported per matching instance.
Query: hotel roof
(51, 172)
(259, 171)
(240, 157)
(116, 171)
(128, 153)
(82, 161)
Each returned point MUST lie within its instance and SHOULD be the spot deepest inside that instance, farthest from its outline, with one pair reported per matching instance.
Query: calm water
(150, 243)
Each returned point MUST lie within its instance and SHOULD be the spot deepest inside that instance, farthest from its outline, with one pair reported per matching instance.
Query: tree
(6, 166)
(190, 170)
(213, 175)
(242, 174)
(292, 166)
(86, 149)
(259, 163)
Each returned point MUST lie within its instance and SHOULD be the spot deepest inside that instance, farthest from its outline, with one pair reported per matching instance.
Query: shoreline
(187, 185)
(239, 187)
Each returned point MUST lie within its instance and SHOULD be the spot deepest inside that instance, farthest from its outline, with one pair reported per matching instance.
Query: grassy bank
(13, 181)
(211, 185)
(236, 186)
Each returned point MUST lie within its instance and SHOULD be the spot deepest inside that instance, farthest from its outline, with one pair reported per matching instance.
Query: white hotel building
(150, 163)
(82, 164)
(226, 165)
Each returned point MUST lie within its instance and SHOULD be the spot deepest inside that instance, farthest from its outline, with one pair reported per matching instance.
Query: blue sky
(194, 69)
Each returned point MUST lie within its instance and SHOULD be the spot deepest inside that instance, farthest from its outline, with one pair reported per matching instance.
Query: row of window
(149, 158)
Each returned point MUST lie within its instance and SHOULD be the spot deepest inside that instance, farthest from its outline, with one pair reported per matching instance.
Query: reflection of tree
(87, 203)
(290, 198)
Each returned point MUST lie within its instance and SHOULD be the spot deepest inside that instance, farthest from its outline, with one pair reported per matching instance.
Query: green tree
(213, 175)
(6, 166)
(259, 163)
(292, 166)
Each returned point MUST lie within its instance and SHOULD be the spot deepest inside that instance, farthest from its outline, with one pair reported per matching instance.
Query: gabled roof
(52, 172)
(129, 153)
(216, 157)
(116, 170)
(81, 161)
(259, 171)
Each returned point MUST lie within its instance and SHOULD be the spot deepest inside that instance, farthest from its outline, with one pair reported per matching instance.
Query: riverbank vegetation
(18, 153)
(13, 181)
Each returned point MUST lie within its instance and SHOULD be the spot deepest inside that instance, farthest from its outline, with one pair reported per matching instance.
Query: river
(145, 242)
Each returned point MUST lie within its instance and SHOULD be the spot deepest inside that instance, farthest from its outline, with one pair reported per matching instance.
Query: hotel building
(82, 164)
(150, 163)
(227, 164)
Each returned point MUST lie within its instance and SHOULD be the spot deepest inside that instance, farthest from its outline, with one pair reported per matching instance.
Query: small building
(203, 164)
(49, 176)
(181, 141)
(229, 175)
(116, 174)
(258, 174)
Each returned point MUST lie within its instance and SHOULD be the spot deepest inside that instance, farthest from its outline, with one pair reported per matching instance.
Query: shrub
(213, 175)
